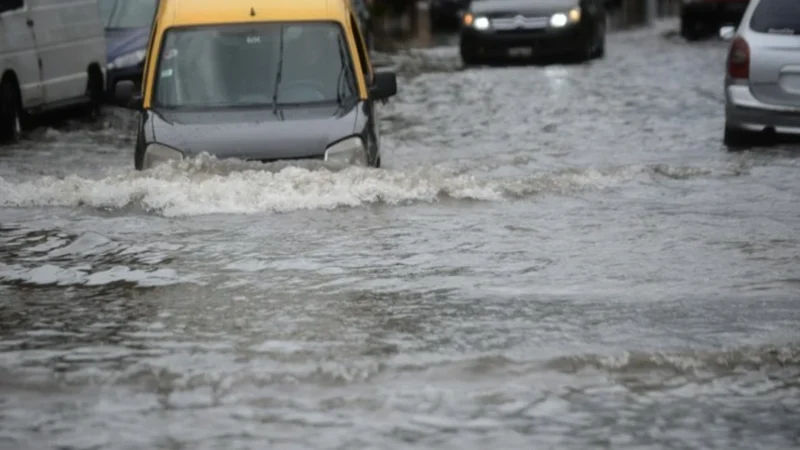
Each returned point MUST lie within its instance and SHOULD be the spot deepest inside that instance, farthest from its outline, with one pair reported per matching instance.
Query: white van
(52, 56)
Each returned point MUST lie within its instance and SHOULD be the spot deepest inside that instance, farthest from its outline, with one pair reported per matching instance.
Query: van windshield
(128, 13)
(776, 17)
(252, 65)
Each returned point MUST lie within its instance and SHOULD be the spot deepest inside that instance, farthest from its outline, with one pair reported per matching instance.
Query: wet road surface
(552, 257)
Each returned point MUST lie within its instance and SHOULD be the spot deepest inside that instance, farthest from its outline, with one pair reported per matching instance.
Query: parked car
(446, 14)
(52, 56)
(262, 82)
(531, 28)
(702, 18)
(127, 27)
(762, 81)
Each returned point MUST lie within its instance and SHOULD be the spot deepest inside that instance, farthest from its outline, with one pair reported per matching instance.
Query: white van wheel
(10, 112)
(94, 92)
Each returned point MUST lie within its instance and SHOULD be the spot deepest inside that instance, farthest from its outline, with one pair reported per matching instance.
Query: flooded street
(551, 257)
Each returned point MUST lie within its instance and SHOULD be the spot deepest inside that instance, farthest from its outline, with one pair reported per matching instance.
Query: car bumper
(125, 74)
(744, 111)
(543, 42)
(717, 12)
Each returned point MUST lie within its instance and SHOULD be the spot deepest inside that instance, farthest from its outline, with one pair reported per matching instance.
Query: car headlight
(127, 60)
(157, 154)
(348, 151)
(559, 20)
(481, 23)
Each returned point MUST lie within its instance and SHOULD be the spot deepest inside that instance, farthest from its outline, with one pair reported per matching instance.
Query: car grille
(519, 22)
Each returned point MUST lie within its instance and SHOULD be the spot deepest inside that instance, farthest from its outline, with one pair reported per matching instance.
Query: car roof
(204, 12)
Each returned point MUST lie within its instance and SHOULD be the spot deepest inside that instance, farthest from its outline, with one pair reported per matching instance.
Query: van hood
(250, 134)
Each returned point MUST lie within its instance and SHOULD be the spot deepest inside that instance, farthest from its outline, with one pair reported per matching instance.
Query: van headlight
(348, 151)
(157, 153)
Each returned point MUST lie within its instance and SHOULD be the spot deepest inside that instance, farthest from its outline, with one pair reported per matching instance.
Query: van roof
(204, 12)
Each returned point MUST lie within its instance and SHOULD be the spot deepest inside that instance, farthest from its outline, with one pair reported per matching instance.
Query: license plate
(520, 51)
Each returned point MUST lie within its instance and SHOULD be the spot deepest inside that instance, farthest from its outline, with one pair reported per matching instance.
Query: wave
(205, 185)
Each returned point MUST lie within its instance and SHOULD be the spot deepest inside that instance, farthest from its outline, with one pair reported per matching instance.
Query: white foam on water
(205, 185)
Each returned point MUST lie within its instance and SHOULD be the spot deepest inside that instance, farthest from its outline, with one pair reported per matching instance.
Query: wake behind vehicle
(127, 26)
(762, 81)
(503, 29)
(258, 80)
(701, 18)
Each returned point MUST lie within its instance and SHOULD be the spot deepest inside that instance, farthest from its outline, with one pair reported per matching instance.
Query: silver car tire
(737, 139)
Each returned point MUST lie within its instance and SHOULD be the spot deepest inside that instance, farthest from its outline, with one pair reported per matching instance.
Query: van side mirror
(726, 33)
(126, 95)
(384, 85)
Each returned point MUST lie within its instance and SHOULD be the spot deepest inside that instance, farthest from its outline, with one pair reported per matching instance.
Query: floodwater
(552, 257)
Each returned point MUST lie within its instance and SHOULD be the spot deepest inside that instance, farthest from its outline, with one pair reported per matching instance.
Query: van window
(362, 52)
(776, 16)
(11, 5)
(229, 66)
(128, 13)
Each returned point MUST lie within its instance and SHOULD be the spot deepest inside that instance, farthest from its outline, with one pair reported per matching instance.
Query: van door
(18, 51)
(69, 36)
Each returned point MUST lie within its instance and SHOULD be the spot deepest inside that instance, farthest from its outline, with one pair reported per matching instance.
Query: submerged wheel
(11, 121)
(95, 92)
(582, 55)
(468, 58)
(736, 139)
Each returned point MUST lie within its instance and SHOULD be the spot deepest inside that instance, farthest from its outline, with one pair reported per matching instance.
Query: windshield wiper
(342, 73)
(278, 75)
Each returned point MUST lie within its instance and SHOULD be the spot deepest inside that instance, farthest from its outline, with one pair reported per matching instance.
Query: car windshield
(239, 65)
(776, 16)
(128, 13)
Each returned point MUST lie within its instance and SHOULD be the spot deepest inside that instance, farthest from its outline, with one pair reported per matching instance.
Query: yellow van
(260, 80)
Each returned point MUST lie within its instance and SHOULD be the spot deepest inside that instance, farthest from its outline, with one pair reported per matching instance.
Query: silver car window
(776, 16)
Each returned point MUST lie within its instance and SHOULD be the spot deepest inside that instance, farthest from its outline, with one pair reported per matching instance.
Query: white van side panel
(70, 36)
(18, 55)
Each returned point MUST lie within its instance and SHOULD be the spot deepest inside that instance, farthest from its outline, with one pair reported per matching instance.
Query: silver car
(762, 79)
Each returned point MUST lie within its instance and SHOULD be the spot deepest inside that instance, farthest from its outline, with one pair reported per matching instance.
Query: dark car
(703, 18)
(493, 29)
(128, 24)
(445, 14)
(259, 91)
